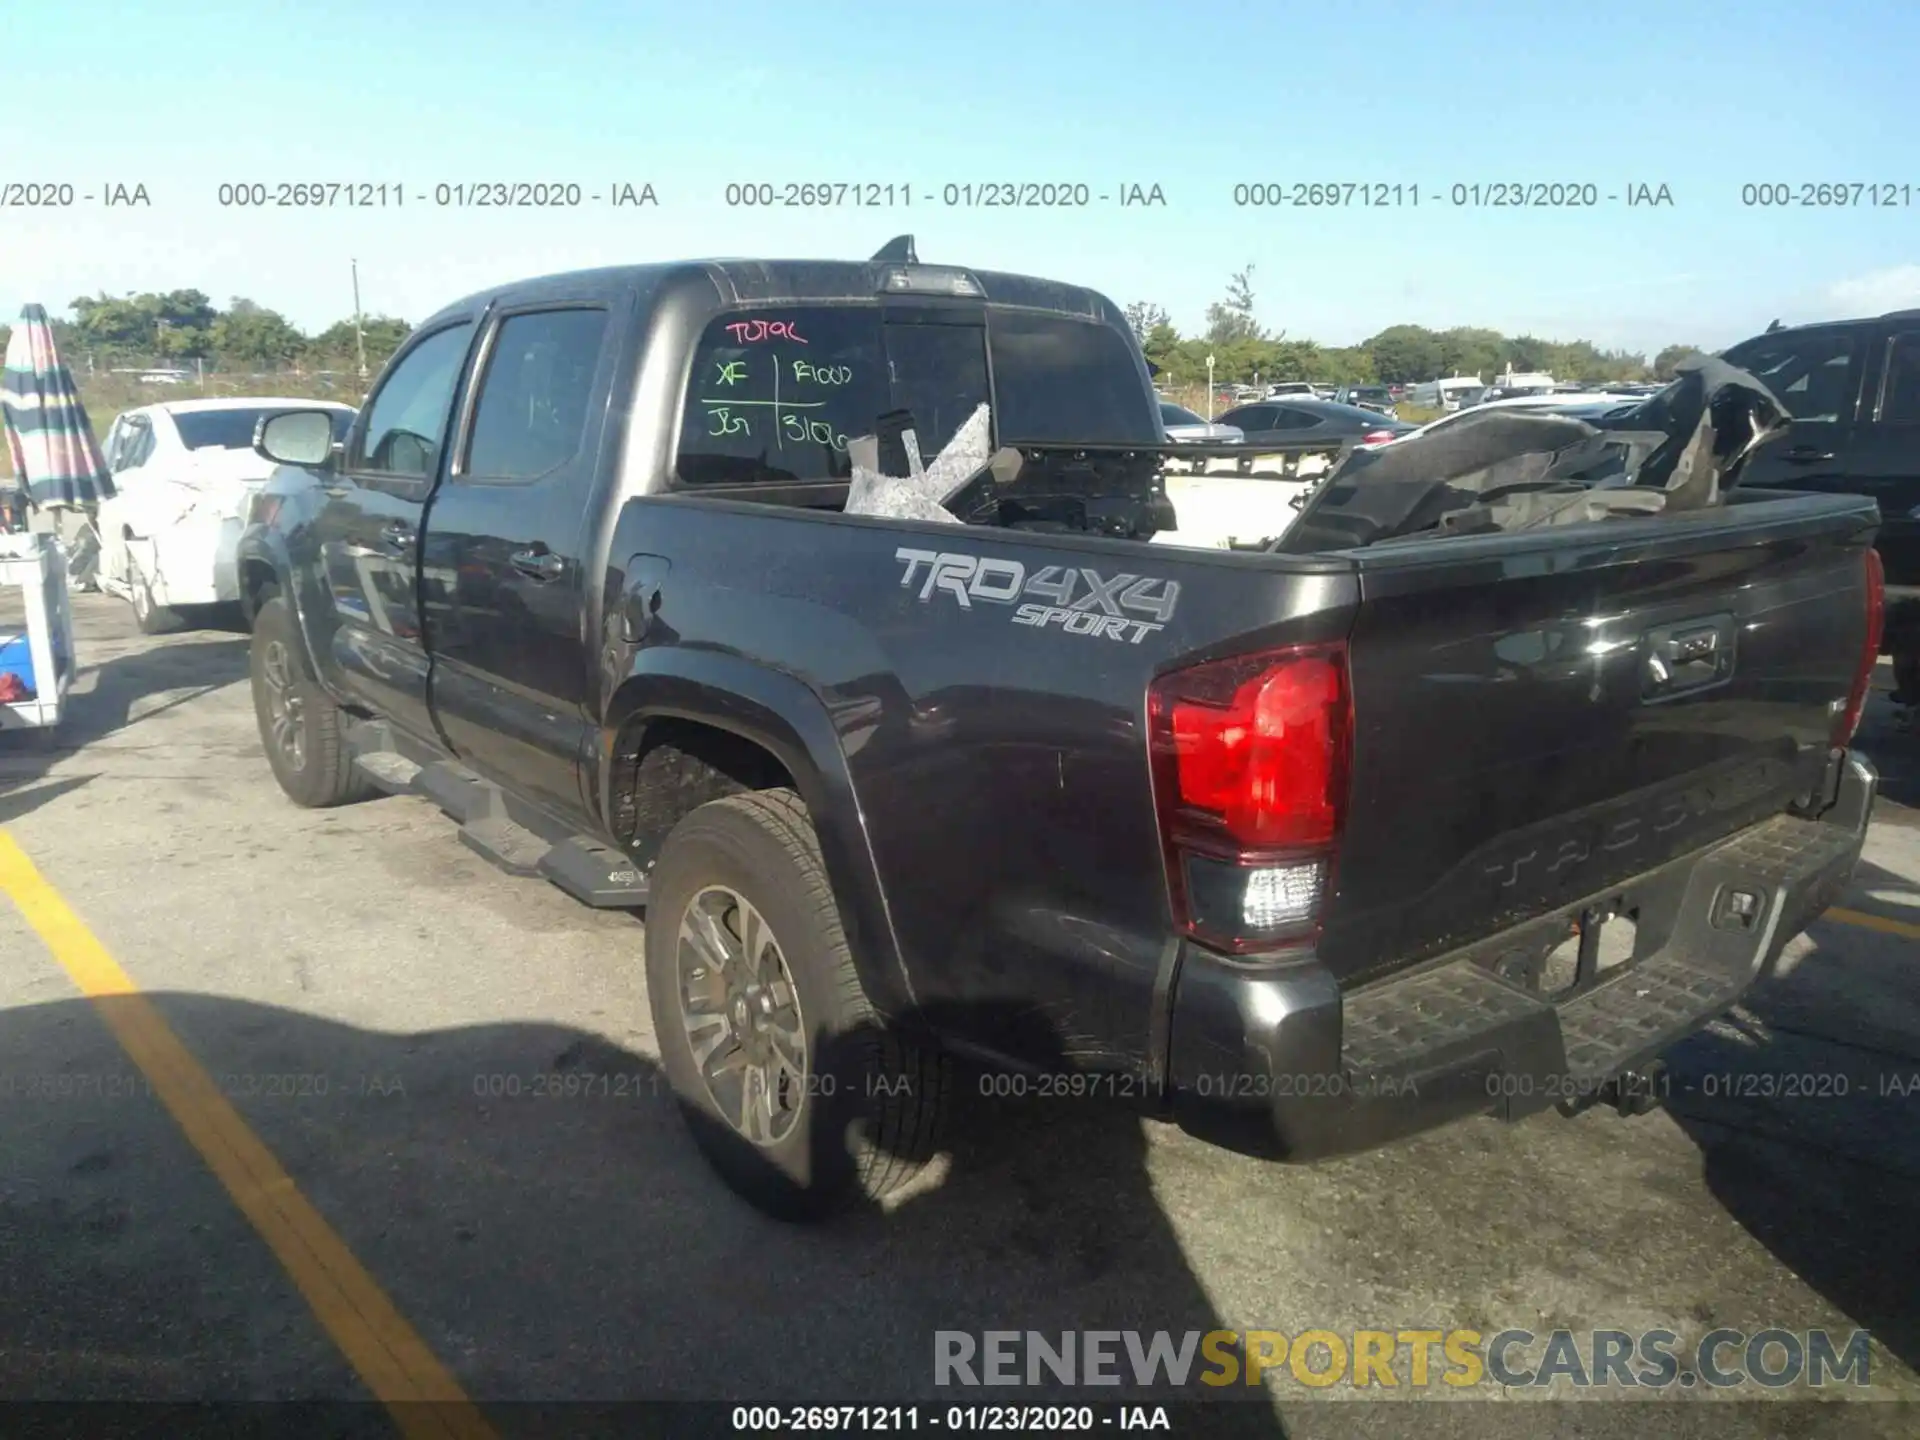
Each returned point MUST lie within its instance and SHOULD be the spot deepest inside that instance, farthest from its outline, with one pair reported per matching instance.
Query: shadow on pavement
(183, 671)
(530, 1198)
(1804, 1107)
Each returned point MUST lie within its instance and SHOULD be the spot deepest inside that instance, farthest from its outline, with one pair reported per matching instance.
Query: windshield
(233, 429)
(1179, 415)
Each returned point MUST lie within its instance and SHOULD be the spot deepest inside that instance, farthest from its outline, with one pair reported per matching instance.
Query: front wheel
(790, 1084)
(1906, 678)
(303, 731)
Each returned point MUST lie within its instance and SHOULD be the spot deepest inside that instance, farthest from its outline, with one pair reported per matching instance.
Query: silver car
(1186, 428)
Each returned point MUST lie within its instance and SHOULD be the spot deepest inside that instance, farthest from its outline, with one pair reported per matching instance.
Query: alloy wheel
(742, 1015)
(286, 708)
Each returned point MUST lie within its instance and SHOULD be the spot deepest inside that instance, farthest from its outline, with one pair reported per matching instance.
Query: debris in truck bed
(921, 494)
(1507, 470)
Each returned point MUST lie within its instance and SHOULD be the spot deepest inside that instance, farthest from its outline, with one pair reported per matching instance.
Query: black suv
(1853, 389)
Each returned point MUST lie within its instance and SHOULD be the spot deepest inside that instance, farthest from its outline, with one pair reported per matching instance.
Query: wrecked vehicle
(1502, 470)
(808, 606)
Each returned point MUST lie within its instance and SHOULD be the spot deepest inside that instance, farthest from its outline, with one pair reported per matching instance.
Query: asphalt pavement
(319, 1105)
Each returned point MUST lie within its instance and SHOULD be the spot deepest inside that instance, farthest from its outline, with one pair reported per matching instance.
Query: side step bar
(593, 873)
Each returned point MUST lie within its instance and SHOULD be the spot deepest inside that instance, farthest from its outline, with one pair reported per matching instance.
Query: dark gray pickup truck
(1441, 805)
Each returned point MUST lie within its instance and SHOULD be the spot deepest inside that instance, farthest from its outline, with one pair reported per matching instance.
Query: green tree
(1231, 318)
(334, 349)
(175, 325)
(1667, 359)
(1405, 354)
(253, 336)
(1161, 347)
(1143, 317)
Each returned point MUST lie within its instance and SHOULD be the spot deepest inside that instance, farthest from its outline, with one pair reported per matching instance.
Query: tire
(151, 619)
(858, 1116)
(302, 730)
(1906, 678)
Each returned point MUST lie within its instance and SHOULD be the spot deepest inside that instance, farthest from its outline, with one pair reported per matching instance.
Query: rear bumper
(1277, 1061)
(194, 561)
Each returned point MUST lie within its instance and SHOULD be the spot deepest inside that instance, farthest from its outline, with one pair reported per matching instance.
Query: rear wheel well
(665, 769)
(258, 584)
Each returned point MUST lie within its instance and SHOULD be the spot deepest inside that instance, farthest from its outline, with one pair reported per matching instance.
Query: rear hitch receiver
(1631, 1092)
(1635, 1092)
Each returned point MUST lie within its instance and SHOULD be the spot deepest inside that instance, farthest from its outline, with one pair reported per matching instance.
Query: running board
(594, 873)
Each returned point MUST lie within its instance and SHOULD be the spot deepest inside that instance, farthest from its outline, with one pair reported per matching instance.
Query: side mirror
(296, 437)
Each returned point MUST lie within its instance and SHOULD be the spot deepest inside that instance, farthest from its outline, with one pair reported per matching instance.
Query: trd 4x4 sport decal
(1106, 605)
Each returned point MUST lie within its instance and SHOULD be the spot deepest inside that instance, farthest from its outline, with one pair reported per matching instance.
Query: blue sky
(1195, 98)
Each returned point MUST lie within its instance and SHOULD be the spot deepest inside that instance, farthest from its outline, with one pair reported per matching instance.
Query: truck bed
(1506, 753)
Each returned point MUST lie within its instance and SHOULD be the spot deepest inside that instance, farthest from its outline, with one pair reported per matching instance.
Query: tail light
(1249, 763)
(1376, 437)
(1849, 719)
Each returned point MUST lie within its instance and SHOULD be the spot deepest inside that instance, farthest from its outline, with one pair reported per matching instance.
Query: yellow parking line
(1882, 923)
(390, 1357)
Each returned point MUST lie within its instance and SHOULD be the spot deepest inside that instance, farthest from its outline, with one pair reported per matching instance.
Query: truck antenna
(897, 251)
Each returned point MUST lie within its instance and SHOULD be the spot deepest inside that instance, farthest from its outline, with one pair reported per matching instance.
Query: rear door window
(531, 414)
(1811, 374)
(1900, 389)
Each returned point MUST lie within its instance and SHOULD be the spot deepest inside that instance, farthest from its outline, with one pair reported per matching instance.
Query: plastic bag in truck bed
(1510, 470)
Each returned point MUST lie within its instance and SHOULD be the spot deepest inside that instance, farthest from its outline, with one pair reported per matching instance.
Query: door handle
(397, 536)
(542, 564)
(1807, 455)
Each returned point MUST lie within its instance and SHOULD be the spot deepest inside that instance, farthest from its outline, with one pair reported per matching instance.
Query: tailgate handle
(1688, 656)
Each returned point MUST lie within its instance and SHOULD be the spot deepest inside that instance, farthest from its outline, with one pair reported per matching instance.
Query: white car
(184, 473)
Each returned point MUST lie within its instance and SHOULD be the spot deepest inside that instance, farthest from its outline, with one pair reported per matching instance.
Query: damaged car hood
(1510, 470)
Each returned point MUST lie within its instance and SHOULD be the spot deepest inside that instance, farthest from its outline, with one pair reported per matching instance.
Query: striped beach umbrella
(56, 460)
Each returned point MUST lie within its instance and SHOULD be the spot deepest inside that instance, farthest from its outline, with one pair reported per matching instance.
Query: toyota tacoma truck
(1469, 795)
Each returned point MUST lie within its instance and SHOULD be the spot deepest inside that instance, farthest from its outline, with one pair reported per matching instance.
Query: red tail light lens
(1250, 777)
(1849, 721)
(1376, 437)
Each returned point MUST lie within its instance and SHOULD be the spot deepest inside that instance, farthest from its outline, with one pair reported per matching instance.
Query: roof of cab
(748, 282)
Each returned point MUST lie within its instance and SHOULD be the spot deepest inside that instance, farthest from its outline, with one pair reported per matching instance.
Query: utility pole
(359, 335)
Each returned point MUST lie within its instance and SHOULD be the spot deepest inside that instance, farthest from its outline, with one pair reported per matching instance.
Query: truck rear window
(1060, 380)
(775, 396)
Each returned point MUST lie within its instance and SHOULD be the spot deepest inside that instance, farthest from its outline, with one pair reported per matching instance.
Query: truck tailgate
(1540, 715)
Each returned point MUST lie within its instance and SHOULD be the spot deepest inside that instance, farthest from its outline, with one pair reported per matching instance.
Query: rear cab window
(775, 395)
